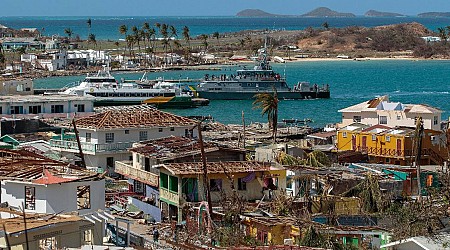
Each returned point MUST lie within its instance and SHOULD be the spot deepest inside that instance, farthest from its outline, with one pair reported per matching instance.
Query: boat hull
(250, 95)
(176, 102)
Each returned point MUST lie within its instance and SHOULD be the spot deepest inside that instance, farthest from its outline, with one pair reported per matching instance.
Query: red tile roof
(138, 116)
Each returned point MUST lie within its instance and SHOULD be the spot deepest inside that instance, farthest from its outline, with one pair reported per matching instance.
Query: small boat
(109, 92)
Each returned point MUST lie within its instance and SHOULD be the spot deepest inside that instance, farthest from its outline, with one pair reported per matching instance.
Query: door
(147, 164)
(353, 142)
(399, 147)
(364, 143)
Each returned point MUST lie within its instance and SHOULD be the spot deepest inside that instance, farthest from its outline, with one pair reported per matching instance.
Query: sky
(208, 7)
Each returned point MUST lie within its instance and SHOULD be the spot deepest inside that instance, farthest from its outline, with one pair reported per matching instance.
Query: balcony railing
(90, 148)
(400, 153)
(126, 168)
(169, 195)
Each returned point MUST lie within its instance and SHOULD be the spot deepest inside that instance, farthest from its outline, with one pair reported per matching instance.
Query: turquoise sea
(351, 82)
(105, 27)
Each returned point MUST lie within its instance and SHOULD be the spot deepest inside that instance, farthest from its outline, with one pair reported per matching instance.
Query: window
(242, 185)
(356, 118)
(34, 109)
(344, 134)
(83, 197)
(388, 138)
(160, 130)
(57, 109)
(399, 117)
(88, 137)
(127, 132)
(80, 107)
(143, 136)
(30, 198)
(382, 119)
(1, 110)
(435, 120)
(109, 137)
(173, 184)
(16, 110)
(164, 180)
(374, 137)
(186, 132)
(215, 185)
(110, 162)
(172, 129)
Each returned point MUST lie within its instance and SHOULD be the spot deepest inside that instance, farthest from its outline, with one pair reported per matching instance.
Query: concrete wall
(133, 135)
(154, 211)
(55, 198)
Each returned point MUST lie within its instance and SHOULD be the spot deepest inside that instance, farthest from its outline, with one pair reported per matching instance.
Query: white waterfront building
(54, 105)
(106, 136)
(392, 114)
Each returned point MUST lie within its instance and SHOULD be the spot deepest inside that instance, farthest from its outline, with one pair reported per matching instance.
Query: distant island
(434, 14)
(375, 13)
(326, 12)
(255, 13)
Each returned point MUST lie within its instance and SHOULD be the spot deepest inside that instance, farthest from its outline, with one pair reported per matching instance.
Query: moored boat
(259, 79)
(108, 92)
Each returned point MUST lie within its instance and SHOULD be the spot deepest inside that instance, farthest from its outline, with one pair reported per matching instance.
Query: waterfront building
(16, 86)
(41, 185)
(45, 106)
(106, 136)
(50, 61)
(182, 183)
(384, 144)
(384, 112)
(14, 43)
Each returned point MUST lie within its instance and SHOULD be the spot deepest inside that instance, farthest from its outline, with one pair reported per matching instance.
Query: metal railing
(88, 147)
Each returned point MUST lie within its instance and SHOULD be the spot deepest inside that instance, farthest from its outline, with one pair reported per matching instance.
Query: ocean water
(107, 27)
(351, 82)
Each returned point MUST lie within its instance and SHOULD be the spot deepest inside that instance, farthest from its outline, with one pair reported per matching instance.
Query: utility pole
(80, 154)
(418, 141)
(205, 169)
(243, 124)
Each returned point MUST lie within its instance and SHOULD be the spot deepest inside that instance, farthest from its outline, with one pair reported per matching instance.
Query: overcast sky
(208, 7)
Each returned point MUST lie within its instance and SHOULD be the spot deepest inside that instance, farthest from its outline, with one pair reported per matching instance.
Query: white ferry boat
(108, 92)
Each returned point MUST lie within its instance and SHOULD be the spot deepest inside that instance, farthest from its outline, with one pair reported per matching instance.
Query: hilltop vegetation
(326, 12)
(375, 13)
(255, 13)
(434, 14)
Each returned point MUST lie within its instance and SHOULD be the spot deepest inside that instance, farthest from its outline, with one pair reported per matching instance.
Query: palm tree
(130, 42)
(123, 29)
(443, 35)
(89, 24)
(91, 39)
(69, 33)
(187, 38)
(268, 103)
(204, 39)
(186, 35)
(216, 35)
(2, 56)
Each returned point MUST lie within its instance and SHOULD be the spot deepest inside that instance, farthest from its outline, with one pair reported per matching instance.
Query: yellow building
(392, 145)
(271, 230)
(181, 183)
